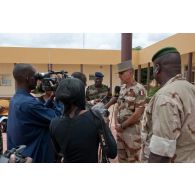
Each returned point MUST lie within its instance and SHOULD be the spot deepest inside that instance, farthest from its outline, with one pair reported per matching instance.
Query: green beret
(164, 51)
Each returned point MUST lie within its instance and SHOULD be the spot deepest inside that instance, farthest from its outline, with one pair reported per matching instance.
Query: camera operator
(28, 122)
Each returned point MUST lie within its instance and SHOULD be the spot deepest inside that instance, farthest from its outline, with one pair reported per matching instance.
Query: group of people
(62, 131)
(162, 130)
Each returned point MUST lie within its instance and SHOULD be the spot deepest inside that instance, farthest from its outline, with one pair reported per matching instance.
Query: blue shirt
(28, 124)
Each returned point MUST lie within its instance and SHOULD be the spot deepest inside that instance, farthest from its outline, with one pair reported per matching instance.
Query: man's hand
(12, 159)
(112, 101)
(118, 128)
(94, 102)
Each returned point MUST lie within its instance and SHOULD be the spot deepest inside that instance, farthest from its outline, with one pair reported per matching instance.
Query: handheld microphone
(117, 91)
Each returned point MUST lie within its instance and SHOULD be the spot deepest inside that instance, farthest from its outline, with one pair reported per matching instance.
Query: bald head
(24, 75)
(22, 71)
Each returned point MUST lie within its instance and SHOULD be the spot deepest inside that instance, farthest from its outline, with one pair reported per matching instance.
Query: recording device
(117, 91)
(19, 158)
(101, 109)
(50, 80)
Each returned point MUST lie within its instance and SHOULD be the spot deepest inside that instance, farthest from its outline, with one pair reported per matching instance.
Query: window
(5, 80)
(91, 77)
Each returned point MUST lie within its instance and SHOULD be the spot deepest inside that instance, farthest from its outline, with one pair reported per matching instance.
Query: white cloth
(162, 146)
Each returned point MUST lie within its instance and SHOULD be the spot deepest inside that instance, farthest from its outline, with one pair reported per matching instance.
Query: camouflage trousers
(144, 153)
(129, 145)
(1, 142)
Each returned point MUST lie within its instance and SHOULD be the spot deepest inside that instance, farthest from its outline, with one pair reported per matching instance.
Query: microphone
(117, 91)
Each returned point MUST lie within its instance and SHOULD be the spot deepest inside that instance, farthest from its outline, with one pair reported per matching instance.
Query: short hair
(21, 71)
(164, 51)
(81, 76)
(170, 62)
(71, 91)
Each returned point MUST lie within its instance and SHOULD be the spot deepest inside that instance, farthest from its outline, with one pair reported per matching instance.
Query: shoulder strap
(101, 131)
(61, 150)
(67, 139)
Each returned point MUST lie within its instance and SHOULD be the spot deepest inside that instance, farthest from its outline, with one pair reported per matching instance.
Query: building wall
(184, 42)
(8, 91)
(92, 60)
(69, 60)
(6, 69)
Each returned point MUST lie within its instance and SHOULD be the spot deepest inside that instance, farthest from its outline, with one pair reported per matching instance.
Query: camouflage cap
(124, 66)
(99, 75)
(164, 51)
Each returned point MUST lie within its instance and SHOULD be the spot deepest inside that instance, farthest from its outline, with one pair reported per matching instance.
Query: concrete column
(50, 67)
(81, 68)
(139, 74)
(126, 46)
(110, 77)
(189, 77)
(14, 81)
(148, 76)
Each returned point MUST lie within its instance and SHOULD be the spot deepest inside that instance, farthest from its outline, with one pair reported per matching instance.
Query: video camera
(50, 80)
(19, 158)
(101, 109)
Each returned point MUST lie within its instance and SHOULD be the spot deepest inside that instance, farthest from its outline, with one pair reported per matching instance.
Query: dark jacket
(78, 138)
(28, 124)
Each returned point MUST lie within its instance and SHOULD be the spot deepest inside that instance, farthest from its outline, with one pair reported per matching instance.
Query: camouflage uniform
(93, 93)
(129, 141)
(146, 131)
(1, 143)
(168, 126)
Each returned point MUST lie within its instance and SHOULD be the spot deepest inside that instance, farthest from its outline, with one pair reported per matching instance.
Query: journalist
(80, 76)
(28, 122)
(75, 135)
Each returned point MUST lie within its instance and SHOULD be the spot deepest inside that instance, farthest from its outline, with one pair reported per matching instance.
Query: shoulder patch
(141, 92)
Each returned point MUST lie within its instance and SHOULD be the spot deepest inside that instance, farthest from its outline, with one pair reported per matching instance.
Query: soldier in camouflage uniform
(129, 110)
(168, 125)
(98, 91)
(1, 143)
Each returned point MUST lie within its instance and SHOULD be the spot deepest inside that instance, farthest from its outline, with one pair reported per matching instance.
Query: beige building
(89, 61)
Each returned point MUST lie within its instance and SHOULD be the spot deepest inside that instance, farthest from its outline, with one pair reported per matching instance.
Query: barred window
(91, 77)
(5, 80)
